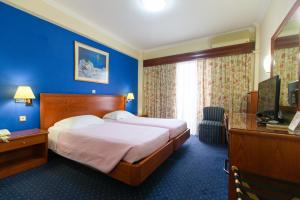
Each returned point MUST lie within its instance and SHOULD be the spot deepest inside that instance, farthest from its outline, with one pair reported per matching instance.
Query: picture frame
(91, 64)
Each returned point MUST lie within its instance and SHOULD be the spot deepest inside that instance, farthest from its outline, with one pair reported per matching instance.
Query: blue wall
(37, 53)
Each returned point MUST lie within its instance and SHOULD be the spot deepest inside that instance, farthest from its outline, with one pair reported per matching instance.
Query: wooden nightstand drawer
(22, 142)
(25, 150)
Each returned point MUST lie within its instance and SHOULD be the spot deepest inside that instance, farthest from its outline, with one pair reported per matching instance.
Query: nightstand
(25, 150)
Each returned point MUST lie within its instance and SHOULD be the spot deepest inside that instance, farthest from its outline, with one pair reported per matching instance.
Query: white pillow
(119, 114)
(78, 121)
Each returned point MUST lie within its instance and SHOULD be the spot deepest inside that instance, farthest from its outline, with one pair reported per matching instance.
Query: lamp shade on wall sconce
(24, 94)
(130, 97)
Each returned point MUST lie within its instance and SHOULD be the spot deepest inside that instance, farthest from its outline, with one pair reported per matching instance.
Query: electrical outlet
(22, 118)
(93, 91)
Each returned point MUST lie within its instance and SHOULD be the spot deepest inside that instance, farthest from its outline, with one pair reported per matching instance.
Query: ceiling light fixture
(154, 5)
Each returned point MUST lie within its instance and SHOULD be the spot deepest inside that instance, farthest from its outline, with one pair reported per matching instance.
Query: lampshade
(130, 96)
(24, 92)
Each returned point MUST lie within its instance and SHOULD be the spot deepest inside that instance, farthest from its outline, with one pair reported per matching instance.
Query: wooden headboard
(55, 107)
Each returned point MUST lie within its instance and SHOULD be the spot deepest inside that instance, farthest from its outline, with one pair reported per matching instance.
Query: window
(187, 93)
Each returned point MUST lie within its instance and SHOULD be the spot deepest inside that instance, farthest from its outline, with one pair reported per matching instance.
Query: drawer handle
(24, 142)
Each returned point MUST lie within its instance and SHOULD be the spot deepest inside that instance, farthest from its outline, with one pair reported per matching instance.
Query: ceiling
(182, 20)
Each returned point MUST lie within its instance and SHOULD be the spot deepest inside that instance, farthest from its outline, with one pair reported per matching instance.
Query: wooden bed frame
(55, 107)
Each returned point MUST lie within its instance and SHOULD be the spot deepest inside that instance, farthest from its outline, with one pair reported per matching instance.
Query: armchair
(211, 127)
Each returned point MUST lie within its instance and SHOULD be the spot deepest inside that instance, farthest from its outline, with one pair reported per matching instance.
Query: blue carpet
(193, 172)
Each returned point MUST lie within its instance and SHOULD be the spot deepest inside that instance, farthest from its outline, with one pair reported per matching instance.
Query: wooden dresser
(258, 150)
(25, 150)
(252, 102)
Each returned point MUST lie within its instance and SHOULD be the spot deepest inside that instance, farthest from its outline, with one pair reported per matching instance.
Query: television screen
(268, 97)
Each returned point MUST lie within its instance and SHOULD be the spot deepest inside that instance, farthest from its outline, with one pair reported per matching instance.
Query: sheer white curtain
(187, 93)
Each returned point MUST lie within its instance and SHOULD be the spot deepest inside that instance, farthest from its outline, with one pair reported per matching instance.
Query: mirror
(285, 51)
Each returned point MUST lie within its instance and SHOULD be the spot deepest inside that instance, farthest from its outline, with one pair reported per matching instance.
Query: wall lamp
(130, 97)
(24, 94)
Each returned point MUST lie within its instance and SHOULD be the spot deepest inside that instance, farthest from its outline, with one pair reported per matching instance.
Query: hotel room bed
(177, 128)
(103, 146)
(55, 107)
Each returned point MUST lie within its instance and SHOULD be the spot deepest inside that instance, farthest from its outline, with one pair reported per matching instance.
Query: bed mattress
(174, 126)
(103, 146)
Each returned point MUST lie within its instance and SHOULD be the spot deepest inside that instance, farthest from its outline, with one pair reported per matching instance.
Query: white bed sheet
(143, 140)
(174, 126)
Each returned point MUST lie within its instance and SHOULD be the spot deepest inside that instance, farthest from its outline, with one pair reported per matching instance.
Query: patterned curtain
(160, 91)
(204, 87)
(225, 82)
(286, 67)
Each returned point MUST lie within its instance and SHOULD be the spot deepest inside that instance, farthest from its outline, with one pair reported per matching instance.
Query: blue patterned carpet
(193, 172)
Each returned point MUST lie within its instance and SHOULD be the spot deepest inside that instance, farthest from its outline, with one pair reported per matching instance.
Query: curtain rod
(209, 53)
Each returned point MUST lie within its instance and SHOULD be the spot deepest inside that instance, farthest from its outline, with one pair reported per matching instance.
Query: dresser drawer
(22, 142)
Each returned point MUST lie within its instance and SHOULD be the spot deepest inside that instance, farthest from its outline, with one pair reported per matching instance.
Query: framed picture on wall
(91, 64)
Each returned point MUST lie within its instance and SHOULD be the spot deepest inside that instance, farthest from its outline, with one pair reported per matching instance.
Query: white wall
(274, 16)
(178, 48)
(224, 39)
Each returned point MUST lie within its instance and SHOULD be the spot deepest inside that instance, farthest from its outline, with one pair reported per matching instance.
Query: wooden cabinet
(25, 150)
(252, 102)
(261, 151)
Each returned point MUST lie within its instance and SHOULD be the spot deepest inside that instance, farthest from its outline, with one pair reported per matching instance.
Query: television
(268, 99)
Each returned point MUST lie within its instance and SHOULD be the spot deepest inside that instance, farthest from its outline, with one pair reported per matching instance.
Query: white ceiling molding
(125, 25)
(71, 13)
(229, 38)
(179, 21)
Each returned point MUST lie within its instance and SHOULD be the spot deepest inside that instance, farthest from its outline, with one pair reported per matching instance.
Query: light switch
(22, 118)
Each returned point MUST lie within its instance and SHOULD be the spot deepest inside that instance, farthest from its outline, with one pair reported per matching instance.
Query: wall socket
(93, 91)
(22, 118)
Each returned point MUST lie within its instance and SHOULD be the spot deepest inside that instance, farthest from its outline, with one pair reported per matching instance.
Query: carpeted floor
(193, 172)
